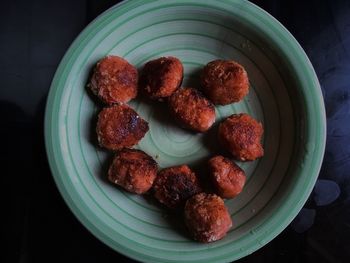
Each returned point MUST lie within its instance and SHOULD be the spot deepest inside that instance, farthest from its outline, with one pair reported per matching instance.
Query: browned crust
(207, 218)
(134, 170)
(120, 126)
(192, 110)
(114, 80)
(161, 77)
(224, 81)
(241, 135)
(227, 177)
(174, 185)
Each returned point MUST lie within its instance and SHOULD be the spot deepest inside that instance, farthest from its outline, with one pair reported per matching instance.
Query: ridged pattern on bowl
(284, 95)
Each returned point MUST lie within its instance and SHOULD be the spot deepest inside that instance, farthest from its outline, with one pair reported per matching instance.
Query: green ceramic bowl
(285, 96)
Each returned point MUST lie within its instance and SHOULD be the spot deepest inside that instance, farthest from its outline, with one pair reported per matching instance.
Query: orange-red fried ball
(228, 178)
(174, 185)
(224, 81)
(241, 135)
(114, 80)
(192, 110)
(161, 77)
(120, 126)
(207, 218)
(134, 170)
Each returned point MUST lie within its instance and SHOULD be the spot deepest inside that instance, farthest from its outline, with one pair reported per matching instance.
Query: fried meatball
(228, 178)
(134, 170)
(174, 185)
(161, 77)
(241, 135)
(207, 218)
(114, 80)
(120, 126)
(224, 81)
(192, 110)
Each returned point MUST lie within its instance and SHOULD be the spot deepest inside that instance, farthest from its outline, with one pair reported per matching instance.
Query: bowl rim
(81, 211)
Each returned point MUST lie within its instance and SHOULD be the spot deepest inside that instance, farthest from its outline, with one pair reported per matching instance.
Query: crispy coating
(227, 177)
(224, 81)
(134, 170)
(174, 185)
(161, 77)
(207, 218)
(241, 134)
(120, 126)
(192, 110)
(114, 80)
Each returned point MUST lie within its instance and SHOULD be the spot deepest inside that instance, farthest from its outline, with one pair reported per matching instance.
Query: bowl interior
(196, 33)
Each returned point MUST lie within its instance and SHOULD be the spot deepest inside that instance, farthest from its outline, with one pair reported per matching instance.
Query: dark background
(37, 225)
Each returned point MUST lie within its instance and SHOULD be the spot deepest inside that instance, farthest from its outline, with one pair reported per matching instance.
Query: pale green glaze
(284, 95)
